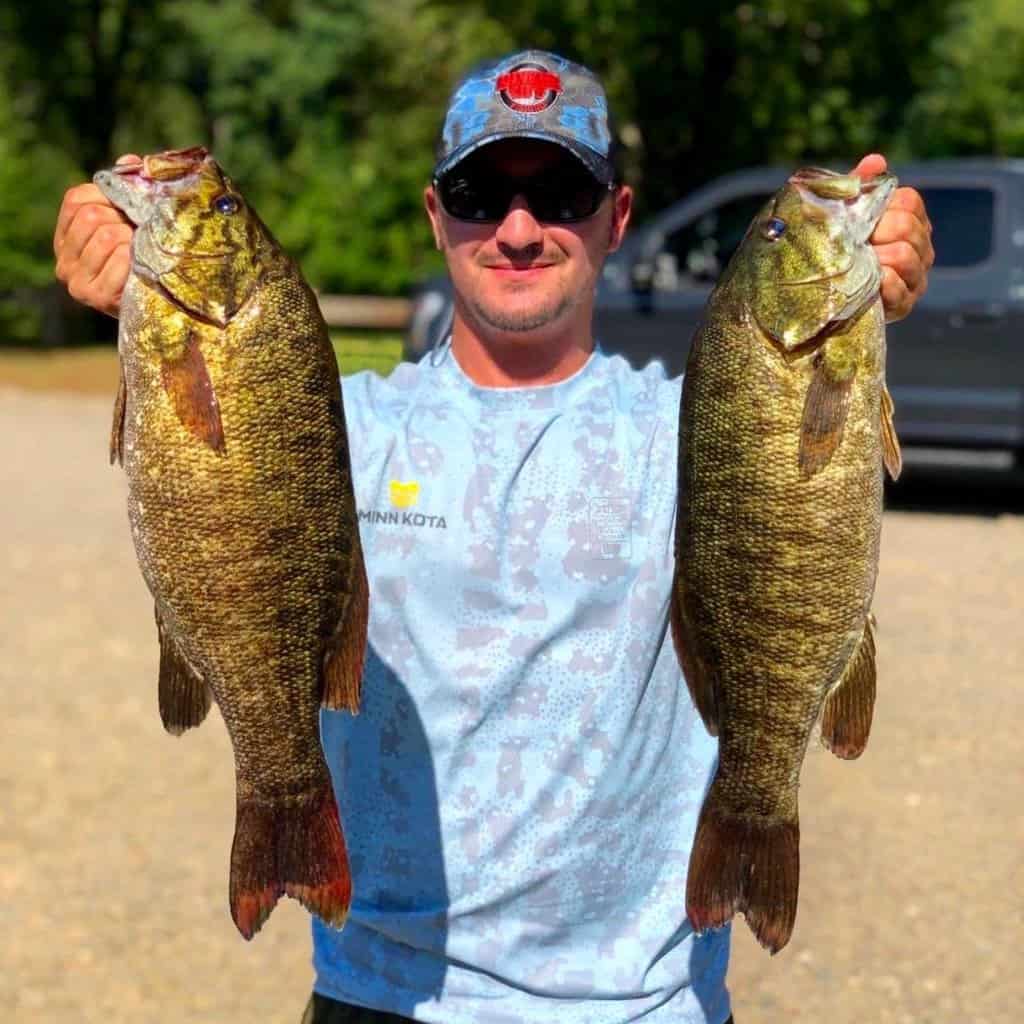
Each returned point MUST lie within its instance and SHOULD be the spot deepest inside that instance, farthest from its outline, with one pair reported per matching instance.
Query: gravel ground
(114, 836)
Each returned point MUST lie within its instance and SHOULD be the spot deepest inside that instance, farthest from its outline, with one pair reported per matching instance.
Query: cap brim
(599, 166)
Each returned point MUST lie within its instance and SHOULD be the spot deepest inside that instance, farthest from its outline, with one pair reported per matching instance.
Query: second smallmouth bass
(785, 425)
(230, 427)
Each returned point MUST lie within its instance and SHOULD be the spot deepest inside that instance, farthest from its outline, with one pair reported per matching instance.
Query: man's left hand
(903, 241)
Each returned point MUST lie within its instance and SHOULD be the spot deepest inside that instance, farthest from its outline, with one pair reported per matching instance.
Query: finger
(870, 165)
(897, 300)
(903, 259)
(101, 287)
(911, 200)
(74, 199)
(128, 158)
(87, 220)
(902, 226)
(105, 239)
(110, 282)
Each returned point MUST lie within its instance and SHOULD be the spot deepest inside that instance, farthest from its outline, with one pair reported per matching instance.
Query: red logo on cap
(529, 88)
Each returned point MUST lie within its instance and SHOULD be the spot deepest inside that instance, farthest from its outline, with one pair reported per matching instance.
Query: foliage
(326, 111)
(717, 86)
(973, 100)
(29, 169)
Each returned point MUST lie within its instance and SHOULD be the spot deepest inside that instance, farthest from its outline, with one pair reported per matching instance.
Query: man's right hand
(92, 247)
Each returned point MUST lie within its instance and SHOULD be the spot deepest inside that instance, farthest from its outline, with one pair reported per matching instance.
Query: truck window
(699, 250)
(962, 224)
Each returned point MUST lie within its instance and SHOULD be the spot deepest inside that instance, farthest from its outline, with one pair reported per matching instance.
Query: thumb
(870, 165)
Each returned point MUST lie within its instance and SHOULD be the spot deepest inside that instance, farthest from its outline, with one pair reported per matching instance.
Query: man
(521, 790)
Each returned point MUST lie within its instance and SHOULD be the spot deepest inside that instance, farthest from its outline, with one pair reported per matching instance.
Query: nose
(519, 234)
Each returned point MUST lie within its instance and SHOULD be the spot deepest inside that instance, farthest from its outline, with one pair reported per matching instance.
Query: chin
(525, 323)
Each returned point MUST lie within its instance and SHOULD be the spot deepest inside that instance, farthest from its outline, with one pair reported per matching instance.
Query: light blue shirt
(520, 791)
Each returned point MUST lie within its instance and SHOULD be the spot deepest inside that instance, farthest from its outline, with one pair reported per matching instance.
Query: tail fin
(748, 866)
(294, 848)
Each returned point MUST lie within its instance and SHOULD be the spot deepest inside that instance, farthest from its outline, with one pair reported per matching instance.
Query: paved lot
(114, 836)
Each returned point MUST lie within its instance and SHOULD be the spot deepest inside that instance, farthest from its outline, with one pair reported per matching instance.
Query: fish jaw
(833, 274)
(136, 186)
(863, 199)
(196, 238)
(860, 214)
(145, 192)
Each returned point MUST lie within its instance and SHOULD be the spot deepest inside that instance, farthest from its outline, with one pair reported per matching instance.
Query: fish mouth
(853, 205)
(857, 202)
(133, 186)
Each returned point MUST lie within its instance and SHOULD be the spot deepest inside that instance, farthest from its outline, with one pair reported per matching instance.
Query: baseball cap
(531, 94)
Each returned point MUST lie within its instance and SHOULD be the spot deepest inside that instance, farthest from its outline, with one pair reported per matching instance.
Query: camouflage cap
(534, 95)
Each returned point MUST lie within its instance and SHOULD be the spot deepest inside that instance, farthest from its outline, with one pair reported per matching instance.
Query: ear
(430, 204)
(621, 210)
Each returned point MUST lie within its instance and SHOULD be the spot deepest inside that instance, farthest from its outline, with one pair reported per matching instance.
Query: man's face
(520, 278)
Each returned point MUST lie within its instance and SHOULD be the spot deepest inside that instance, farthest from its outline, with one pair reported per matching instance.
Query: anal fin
(848, 709)
(117, 426)
(891, 455)
(183, 694)
(346, 652)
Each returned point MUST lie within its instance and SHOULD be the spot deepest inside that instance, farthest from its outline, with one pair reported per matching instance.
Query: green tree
(708, 87)
(32, 175)
(326, 111)
(972, 99)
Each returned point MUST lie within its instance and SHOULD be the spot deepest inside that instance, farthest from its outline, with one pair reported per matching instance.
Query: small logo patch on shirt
(404, 494)
(610, 536)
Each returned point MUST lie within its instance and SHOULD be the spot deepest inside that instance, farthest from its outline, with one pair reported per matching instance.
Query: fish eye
(773, 229)
(226, 204)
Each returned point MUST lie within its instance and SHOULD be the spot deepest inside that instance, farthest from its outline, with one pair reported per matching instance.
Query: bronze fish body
(785, 425)
(230, 426)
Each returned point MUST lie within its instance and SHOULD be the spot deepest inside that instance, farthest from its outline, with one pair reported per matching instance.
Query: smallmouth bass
(785, 426)
(230, 427)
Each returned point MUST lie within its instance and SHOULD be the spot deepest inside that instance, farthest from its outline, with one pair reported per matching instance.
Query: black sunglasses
(556, 195)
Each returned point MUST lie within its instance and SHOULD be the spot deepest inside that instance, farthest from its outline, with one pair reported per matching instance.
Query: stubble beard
(525, 321)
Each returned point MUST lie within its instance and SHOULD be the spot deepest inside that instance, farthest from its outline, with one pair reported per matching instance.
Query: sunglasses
(556, 195)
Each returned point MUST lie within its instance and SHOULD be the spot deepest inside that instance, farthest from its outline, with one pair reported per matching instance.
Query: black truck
(955, 366)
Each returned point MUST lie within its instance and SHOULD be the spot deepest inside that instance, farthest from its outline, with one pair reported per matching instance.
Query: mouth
(167, 166)
(518, 271)
(132, 186)
(861, 200)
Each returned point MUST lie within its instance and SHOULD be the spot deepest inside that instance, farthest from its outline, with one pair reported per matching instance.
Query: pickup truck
(955, 365)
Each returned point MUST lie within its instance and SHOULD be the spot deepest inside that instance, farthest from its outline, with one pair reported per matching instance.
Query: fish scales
(249, 527)
(776, 563)
(230, 427)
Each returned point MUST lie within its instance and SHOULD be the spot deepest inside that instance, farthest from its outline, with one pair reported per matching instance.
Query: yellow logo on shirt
(404, 494)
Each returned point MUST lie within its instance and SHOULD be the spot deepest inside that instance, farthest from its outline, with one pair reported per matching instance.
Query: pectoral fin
(187, 381)
(184, 696)
(117, 427)
(891, 455)
(824, 417)
(846, 715)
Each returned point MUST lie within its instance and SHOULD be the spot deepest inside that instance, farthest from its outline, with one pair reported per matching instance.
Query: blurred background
(326, 111)
(114, 836)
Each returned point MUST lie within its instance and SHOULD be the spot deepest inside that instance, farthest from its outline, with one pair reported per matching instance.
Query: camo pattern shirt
(520, 790)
